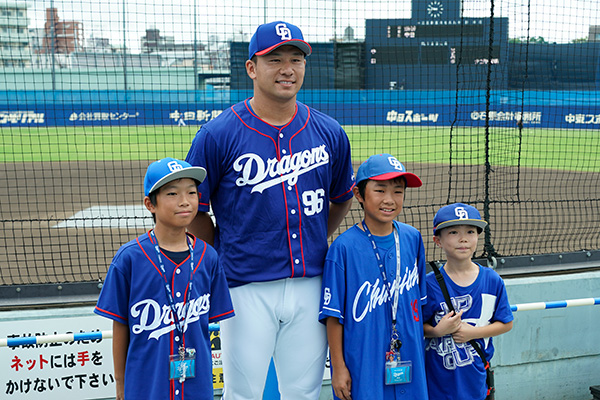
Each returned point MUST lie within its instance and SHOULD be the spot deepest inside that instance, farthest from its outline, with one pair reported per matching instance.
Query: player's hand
(341, 383)
(465, 333)
(449, 324)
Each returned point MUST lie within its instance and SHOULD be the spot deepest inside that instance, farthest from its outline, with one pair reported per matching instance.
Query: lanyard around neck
(392, 289)
(168, 287)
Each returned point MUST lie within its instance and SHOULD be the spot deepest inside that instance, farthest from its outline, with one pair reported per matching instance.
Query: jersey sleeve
(333, 290)
(502, 313)
(204, 152)
(221, 306)
(343, 174)
(431, 307)
(422, 269)
(113, 302)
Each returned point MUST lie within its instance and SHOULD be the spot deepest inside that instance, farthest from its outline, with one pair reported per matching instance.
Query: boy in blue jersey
(478, 296)
(373, 290)
(161, 291)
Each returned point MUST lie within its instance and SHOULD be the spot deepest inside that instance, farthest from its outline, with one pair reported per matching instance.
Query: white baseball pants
(276, 319)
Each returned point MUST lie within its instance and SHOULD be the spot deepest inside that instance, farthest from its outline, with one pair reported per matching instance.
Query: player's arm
(337, 213)
(119, 347)
(203, 228)
(340, 379)
(468, 332)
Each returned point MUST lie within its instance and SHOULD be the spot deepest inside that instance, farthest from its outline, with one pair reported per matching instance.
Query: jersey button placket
(293, 210)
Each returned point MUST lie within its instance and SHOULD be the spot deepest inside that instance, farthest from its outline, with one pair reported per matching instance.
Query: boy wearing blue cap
(161, 291)
(467, 305)
(373, 291)
(279, 183)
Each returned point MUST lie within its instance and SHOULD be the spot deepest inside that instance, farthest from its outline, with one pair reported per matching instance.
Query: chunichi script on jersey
(372, 295)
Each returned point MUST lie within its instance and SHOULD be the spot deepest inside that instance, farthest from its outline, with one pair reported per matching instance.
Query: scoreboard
(465, 41)
(436, 31)
(424, 52)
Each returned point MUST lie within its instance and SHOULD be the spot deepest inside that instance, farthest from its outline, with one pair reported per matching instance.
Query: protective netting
(492, 103)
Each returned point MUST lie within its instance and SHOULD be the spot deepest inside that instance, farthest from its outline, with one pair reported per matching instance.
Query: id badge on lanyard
(396, 370)
(183, 364)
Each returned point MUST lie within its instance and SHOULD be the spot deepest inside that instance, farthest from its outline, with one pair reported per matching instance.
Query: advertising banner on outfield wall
(508, 115)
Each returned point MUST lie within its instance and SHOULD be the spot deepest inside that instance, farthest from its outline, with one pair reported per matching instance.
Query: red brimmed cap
(382, 167)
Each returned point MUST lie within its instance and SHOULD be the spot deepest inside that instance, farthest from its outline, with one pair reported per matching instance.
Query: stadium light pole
(196, 83)
(334, 22)
(53, 43)
(124, 50)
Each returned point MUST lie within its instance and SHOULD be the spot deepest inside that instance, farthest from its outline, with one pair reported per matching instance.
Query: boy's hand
(465, 333)
(341, 383)
(449, 324)
(120, 390)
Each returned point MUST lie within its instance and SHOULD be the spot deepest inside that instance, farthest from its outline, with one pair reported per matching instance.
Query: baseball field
(574, 150)
(541, 182)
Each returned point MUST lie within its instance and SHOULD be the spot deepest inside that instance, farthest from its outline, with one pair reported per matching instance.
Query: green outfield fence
(492, 103)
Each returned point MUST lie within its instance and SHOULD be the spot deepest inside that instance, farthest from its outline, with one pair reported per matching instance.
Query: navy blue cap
(270, 36)
(381, 167)
(169, 169)
(458, 214)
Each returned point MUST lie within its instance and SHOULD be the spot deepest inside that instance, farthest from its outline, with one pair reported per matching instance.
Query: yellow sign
(217, 362)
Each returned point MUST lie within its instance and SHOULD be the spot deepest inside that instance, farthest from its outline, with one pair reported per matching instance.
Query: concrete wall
(550, 354)
(105, 79)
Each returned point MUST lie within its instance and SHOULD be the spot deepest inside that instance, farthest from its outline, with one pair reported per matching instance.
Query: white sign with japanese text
(70, 370)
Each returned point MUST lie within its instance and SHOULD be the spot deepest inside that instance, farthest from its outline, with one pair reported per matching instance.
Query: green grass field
(577, 150)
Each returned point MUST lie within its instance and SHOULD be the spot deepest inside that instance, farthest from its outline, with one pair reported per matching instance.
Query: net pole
(68, 337)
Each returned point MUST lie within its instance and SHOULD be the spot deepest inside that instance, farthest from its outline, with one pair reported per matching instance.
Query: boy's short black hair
(438, 232)
(152, 196)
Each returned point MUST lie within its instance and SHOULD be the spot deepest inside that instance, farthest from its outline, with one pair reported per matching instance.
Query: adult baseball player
(279, 182)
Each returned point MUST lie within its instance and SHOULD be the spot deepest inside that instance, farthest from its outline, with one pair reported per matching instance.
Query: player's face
(382, 203)
(458, 242)
(176, 203)
(278, 76)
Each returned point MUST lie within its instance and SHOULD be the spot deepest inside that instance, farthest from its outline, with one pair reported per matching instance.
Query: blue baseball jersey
(270, 188)
(354, 293)
(134, 294)
(455, 370)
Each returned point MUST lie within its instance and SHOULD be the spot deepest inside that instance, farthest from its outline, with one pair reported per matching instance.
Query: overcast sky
(556, 20)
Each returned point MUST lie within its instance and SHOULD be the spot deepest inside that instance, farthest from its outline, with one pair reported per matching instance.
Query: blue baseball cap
(458, 214)
(270, 36)
(381, 167)
(169, 169)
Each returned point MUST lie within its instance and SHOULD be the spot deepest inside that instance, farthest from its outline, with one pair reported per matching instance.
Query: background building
(15, 50)
(61, 37)
(594, 35)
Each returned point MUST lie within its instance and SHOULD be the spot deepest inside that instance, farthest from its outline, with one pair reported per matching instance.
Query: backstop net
(492, 103)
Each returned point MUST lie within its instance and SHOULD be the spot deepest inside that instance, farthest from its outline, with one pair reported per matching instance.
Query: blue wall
(549, 109)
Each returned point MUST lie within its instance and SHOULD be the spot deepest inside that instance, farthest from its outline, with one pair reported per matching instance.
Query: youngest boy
(161, 291)
(454, 368)
(373, 290)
